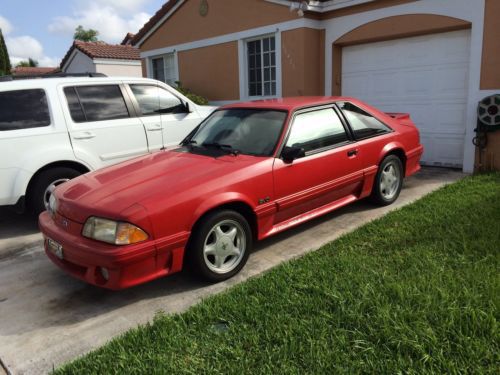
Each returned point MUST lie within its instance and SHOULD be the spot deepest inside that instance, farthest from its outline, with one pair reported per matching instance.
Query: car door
(102, 126)
(165, 116)
(371, 134)
(329, 169)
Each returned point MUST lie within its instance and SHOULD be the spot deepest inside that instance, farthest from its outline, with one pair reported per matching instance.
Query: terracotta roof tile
(101, 50)
(33, 70)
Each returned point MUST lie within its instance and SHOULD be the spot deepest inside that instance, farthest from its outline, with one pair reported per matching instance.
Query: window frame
(331, 106)
(344, 117)
(245, 70)
(162, 56)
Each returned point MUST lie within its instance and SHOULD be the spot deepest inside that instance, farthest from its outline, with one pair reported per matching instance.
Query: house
(433, 59)
(100, 57)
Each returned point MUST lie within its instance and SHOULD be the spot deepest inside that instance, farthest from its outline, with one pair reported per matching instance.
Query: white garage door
(425, 76)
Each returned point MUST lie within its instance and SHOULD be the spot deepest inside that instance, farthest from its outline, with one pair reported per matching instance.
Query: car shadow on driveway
(30, 279)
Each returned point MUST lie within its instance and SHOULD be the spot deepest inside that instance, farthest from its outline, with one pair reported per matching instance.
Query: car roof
(56, 81)
(290, 103)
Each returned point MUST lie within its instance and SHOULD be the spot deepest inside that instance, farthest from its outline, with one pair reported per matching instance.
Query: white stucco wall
(122, 70)
(79, 63)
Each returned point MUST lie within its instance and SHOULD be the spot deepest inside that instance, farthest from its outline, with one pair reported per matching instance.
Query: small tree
(85, 35)
(30, 63)
(4, 57)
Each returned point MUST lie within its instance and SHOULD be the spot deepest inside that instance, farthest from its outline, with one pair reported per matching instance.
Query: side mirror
(188, 107)
(289, 154)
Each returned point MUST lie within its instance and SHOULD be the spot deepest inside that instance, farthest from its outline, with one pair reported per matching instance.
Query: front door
(329, 170)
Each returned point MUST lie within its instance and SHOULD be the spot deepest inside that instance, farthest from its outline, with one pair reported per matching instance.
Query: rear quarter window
(362, 123)
(23, 109)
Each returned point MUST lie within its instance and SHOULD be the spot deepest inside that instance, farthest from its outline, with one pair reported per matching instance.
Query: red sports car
(248, 171)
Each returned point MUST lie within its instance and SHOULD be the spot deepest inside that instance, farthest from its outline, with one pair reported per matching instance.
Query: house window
(261, 54)
(164, 69)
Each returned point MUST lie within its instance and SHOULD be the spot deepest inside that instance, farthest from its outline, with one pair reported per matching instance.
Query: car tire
(219, 246)
(388, 181)
(44, 184)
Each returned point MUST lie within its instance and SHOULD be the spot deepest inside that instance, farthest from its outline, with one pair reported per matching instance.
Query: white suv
(54, 129)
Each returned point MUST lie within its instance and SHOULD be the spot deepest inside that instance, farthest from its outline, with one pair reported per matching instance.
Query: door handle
(84, 135)
(352, 153)
(154, 127)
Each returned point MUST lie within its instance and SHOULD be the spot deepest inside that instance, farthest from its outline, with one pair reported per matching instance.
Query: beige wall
(144, 69)
(302, 62)
(489, 158)
(490, 68)
(224, 17)
(211, 71)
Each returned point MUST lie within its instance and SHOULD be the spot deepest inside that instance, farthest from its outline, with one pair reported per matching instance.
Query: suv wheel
(220, 245)
(44, 185)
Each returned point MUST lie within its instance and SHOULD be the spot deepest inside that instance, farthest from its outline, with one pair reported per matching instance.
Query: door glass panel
(100, 103)
(316, 130)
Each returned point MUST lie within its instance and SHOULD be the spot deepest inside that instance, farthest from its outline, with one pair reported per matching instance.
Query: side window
(23, 109)
(316, 130)
(154, 100)
(362, 123)
(96, 103)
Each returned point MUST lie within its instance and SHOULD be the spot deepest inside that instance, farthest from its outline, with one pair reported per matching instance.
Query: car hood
(146, 181)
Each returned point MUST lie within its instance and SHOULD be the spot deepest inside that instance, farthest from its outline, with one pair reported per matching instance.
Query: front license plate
(55, 248)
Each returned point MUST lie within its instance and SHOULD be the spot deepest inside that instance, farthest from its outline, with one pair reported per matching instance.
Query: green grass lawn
(416, 291)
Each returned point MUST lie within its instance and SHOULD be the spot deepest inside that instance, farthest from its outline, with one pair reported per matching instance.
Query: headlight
(52, 205)
(114, 232)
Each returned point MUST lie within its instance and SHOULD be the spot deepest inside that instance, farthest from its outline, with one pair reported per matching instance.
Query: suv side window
(362, 123)
(316, 130)
(154, 100)
(23, 109)
(96, 103)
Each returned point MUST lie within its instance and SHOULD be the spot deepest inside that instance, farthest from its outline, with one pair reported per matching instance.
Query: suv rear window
(96, 103)
(23, 109)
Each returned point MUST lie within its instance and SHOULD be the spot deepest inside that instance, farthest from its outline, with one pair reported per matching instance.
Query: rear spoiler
(403, 118)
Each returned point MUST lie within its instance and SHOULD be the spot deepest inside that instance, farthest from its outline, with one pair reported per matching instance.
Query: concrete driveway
(48, 318)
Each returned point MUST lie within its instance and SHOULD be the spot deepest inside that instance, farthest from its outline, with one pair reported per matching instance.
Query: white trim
(149, 65)
(116, 62)
(471, 11)
(284, 26)
(70, 59)
(243, 67)
(319, 7)
(159, 23)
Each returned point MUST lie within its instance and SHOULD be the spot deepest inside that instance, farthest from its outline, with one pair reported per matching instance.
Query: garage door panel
(452, 80)
(425, 76)
(450, 118)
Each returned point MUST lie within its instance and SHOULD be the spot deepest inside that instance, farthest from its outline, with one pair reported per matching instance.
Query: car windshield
(246, 131)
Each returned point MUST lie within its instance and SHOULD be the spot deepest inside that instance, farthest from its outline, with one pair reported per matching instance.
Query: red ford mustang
(250, 170)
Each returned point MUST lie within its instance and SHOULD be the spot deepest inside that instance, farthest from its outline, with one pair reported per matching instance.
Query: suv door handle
(154, 127)
(352, 153)
(84, 135)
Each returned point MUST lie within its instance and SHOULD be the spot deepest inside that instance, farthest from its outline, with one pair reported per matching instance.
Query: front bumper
(127, 266)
